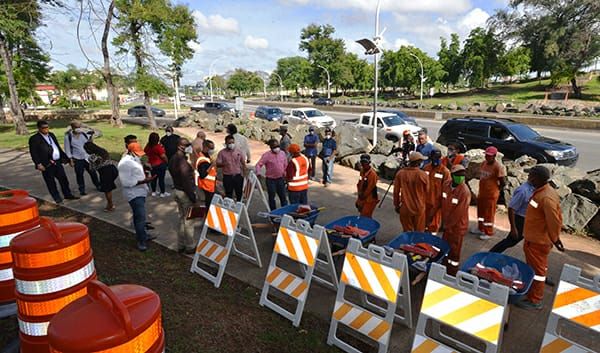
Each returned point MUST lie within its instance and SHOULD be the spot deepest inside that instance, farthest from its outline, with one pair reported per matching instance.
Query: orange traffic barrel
(18, 213)
(53, 265)
(118, 319)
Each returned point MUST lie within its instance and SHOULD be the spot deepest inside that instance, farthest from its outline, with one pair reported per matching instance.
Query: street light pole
(328, 81)
(422, 75)
(376, 91)
(210, 75)
(280, 85)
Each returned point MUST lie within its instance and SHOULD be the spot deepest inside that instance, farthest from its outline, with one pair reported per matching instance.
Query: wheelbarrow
(275, 216)
(339, 241)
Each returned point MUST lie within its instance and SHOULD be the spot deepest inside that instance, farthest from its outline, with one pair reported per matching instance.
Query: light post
(280, 85)
(328, 81)
(422, 75)
(372, 48)
(210, 76)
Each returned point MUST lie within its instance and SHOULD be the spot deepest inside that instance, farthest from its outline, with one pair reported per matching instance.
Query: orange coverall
(438, 177)
(367, 192)
(489, 191)
(410, 192)
(543, 222)
(455, 217)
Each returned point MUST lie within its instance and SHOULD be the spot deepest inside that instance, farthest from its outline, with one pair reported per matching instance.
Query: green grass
(111, 139)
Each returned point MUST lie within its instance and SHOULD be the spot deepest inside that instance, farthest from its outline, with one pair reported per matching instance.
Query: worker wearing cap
(543, 222)
(367, 188)
(297, 176)
(456, 198)
(491, 181)
(411, 186)
(439, 175)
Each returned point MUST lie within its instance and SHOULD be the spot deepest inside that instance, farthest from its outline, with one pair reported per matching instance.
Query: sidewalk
(526, 328)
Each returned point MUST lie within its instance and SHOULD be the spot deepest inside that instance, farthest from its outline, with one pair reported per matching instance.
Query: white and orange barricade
(299, 243)
(575, 313)
(229, 219)
(462, 304)
(251, 183)
(372, 272)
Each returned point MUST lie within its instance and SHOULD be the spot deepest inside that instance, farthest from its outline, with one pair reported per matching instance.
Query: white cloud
(195, 46)
(216, 24)
(475, 18)
(256, 43)
(446, 7)
(401, 42)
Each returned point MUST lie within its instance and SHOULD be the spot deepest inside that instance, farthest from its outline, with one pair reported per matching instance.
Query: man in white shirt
(135, 189)
(74, 141)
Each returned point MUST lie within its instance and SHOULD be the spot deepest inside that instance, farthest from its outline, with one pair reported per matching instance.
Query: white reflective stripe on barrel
(6, 238)
(55, 284)
(33, 328)
(6, 275)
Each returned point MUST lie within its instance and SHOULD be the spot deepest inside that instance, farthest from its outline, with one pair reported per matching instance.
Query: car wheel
(541, 158)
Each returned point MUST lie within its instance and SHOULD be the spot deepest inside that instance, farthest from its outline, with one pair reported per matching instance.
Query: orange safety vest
(299, 181)
(208, 183)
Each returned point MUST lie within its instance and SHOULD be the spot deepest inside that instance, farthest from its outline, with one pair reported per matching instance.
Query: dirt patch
(196, 316)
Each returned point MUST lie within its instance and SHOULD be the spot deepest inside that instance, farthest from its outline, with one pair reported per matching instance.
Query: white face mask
(311, 132)
(276, 150)
(327, 136)
(188, 150)
(168, 133)
(210, 152)
(231, 146)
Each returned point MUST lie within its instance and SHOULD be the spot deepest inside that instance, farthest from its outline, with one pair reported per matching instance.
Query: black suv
(323, 101)
(511, 138)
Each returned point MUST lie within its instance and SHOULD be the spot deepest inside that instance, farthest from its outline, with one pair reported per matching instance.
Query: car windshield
(313, 113)
(393, 120)
(523, 132)
(274, 111)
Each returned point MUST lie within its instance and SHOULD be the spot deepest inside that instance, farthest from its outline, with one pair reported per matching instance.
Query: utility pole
(328, 81)
(422, 75)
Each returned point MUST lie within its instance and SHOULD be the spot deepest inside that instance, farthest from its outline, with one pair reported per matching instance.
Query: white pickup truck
(390, 126)
(310, 116)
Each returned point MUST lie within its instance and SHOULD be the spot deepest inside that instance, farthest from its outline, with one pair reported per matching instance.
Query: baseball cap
(294, 148)
(416, 156)
(136, 149)
(491, 151)
(457, 168)
(365, 158)
(312, 128)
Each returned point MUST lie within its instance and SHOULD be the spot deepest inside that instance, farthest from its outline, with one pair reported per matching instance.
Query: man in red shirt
(491, 181)
(411, 185)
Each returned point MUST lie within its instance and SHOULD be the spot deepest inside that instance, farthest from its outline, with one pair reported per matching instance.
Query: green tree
(567, 31)
(516, 62)
(361, 72)
(450, 60)
(322, 49)
(295, 72)
(242, 81)
(481, 54)
(400, 69)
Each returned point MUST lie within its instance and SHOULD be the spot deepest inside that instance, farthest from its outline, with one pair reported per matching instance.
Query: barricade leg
(249, 239)
(215, 254)
(325, 266)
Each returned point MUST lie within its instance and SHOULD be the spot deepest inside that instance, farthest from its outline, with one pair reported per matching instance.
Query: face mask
(77, 131)
(209, 152)
(327, 136)
(188, 150)
(276, 150)
(231, 146)
(458, 179)
(168, 133)
(311, 132)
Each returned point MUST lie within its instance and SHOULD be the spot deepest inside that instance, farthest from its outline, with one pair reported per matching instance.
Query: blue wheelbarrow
(498, 261)
(411, 238)
(339, 242)
(276, 215)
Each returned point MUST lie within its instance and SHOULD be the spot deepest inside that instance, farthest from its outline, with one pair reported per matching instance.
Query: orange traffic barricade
(53, 265)
(117, 319)
(18, 213)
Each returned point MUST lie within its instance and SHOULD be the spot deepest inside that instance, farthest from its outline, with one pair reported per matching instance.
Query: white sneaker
(485, 237)
(165, 194)
(154, 193)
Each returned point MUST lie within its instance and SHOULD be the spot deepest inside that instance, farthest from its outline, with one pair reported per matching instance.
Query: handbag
(196, 212)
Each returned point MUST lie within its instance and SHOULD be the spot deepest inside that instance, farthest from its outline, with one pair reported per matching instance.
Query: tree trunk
(138, 52)
(15, 107)
(576, 89)
(3, 119)
(113, 92)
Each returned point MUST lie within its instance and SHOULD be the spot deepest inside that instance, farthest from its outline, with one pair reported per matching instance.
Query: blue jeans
(81, 165)
(138, 206)
(328, 170)
(300, 197)
(276, 187)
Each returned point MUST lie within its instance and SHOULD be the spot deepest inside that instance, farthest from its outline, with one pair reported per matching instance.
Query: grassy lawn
(111, 140)
(196, 316)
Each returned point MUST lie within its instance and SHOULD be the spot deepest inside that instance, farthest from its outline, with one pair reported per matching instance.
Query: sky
(254, 34)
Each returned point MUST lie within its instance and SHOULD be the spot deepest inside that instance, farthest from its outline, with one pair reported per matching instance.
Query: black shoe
(149, 227)
(189, 251)
(83, 193)
(549, 282)
(59, 201)
(150, 237)
(71, 197)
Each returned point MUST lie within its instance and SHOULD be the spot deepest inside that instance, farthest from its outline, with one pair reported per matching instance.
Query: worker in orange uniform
(491, 181)
(456, 198)
(297, 175)
(206, 171)
(439, 175)
(543, 221)
(367, 188)
(411, 185)
(454, 156)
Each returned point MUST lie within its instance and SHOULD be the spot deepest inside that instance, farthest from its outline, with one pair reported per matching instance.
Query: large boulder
(377, 160)
(594, 226)
(474, 187)
(577, 212)
(517, 167)
(499, 108)
(383, 146)
(442, 148)
(512, 183)
(588, 187)
(388, 169)
(564, 176)
(351, 161)
(351, 141)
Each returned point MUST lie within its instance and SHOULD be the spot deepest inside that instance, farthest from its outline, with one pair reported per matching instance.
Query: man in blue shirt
(516, 215)
(327, 154)
(310, 150)
(424, 146)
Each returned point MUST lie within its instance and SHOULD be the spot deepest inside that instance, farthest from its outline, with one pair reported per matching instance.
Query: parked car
(511, 138)
(215, 108)
(310, 116)
(140, 110)
(402, 115)
(389, 126)
(323, 101)
(269, 113)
